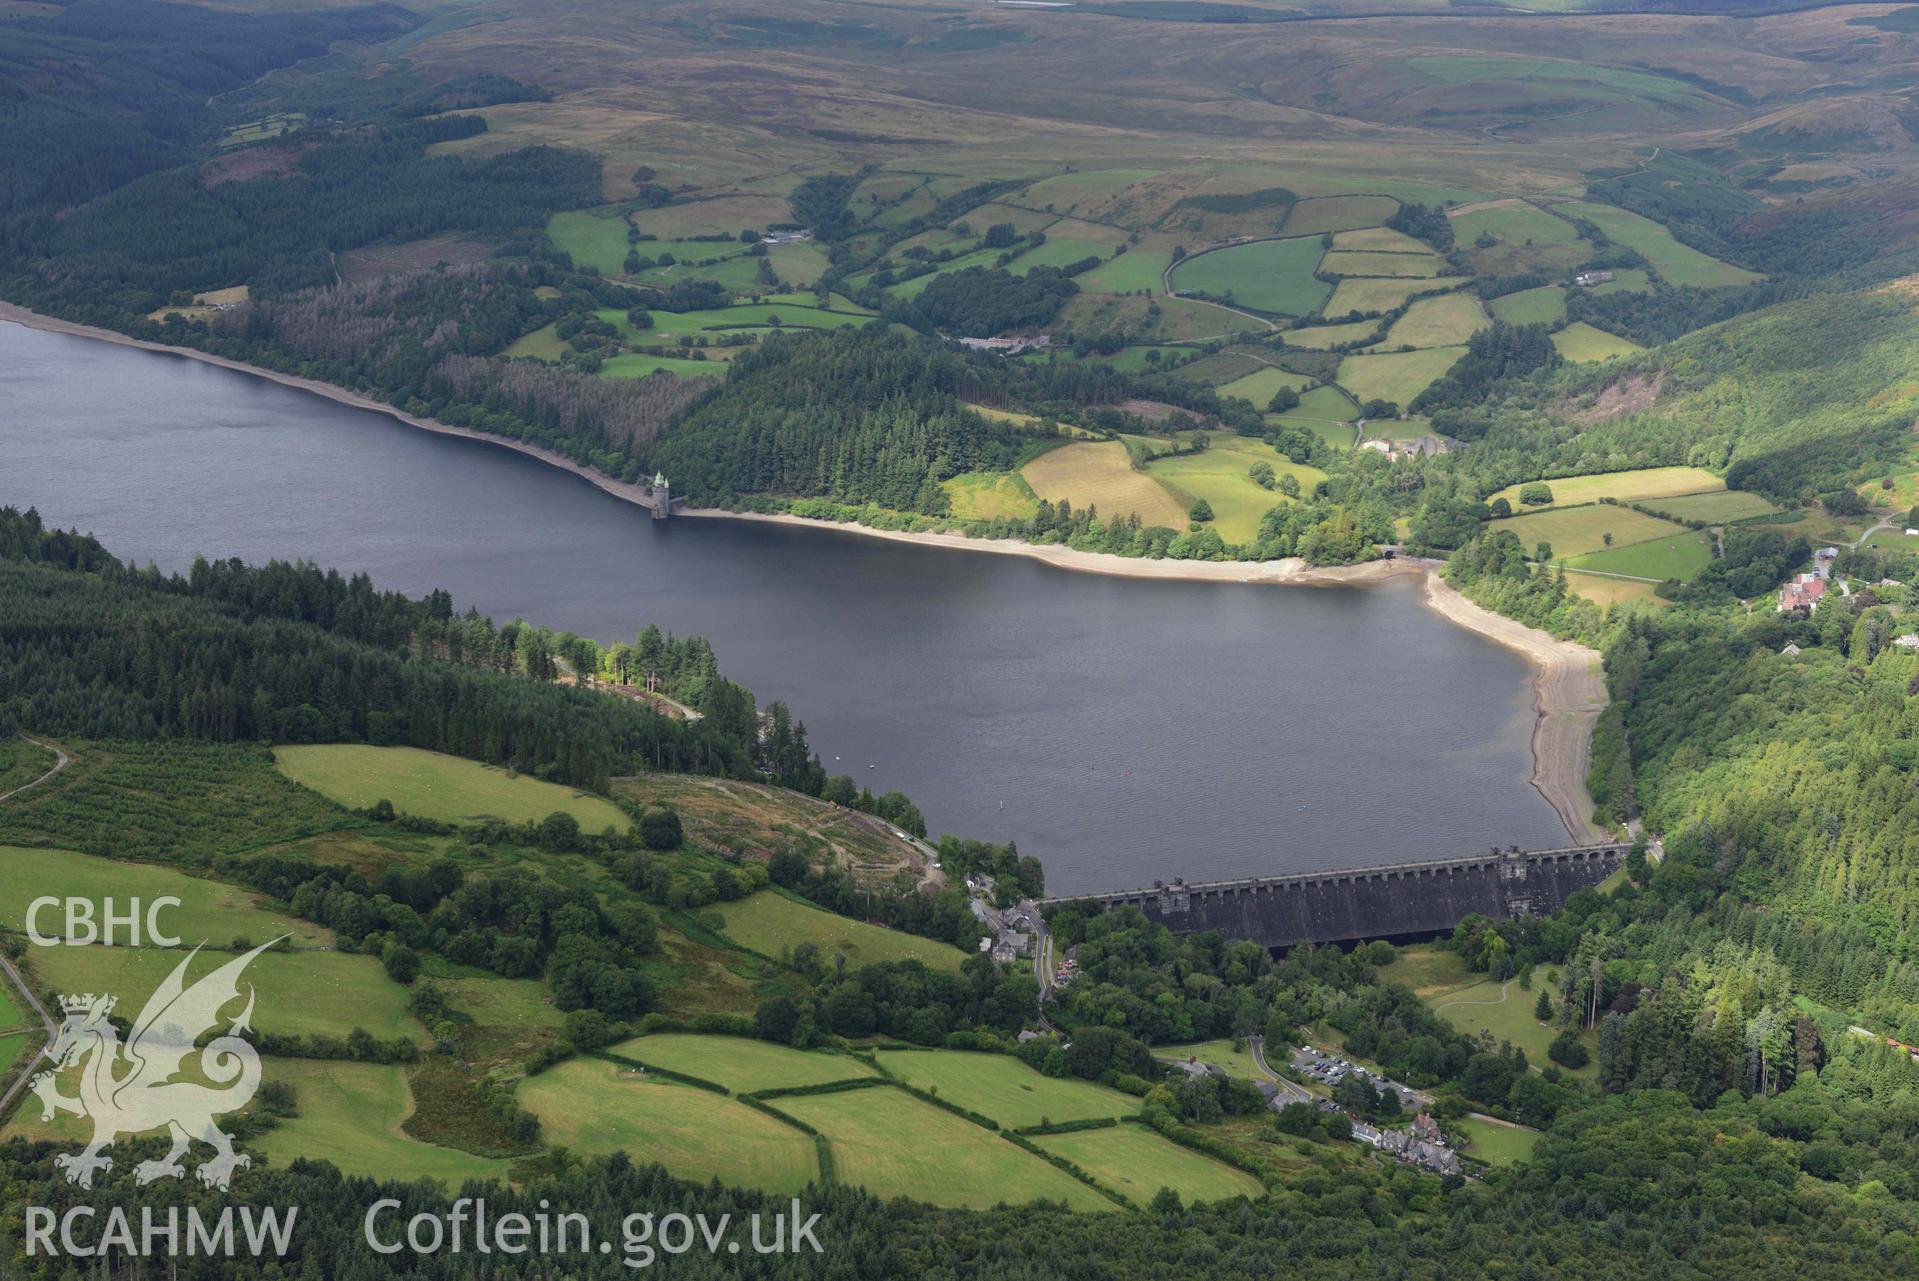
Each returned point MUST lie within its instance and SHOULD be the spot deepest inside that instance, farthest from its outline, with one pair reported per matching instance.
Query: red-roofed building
(1804, 592)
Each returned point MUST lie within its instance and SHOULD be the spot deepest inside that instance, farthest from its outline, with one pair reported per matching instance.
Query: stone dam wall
(1374, 902)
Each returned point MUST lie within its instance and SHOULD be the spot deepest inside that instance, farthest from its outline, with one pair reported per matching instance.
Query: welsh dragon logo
(130, 1089)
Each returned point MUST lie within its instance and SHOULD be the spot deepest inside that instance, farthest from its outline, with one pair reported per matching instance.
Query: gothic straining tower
(662, 497)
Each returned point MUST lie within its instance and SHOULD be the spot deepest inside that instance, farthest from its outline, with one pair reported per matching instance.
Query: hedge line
(698, 1082)
(1062, 1163)
(827, 1087)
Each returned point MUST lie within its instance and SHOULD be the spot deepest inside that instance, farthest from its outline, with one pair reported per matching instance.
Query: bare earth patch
(1627, 396)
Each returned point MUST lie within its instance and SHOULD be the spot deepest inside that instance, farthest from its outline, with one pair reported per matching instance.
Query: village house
(1804, 592)
(1587, 279)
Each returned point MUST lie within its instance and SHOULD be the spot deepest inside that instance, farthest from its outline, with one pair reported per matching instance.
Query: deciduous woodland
(1607, 314)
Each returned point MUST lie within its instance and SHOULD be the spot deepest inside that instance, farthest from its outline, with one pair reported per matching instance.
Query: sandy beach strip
(1568, 690)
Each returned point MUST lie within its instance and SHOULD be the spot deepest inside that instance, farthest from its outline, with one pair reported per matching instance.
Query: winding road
(61, 762)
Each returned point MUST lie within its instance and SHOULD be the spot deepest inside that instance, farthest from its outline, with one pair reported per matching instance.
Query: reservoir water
(1122, 730)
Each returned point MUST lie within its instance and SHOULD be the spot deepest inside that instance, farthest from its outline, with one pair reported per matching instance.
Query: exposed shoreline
(1568, 693)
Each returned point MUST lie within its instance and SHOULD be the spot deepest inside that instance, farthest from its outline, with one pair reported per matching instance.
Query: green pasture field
(493, 1001)
(1368, 294)
(1267, 275)
(1496, 1144)
(1338, 435)
(893, 1144)
(1725, 505)
(1678, 556)
(635, 364)
(1003, 1088)
(1219, 1053)
(1220, 477)
(1445, 321)
(1319, 214)
(1396, 376)
(1058, 251)
(1325, 337)
(1626, 486)
(1574, 531)
(1344, 263)
(1324, 403)
(745, 315)
(1514, 224)
(1383, 239)
(1101, 473)
(1580, 343)
(1024, 221)
(1471, 1002)
(1526, 239)
(988, 495)
(1136, 1162)
(735, 271)
(917, 285)
(10, 1012)
(773, 925)
(593, 1107)
(325, 992)
(741, 1064)
(1133, 359)
(11, 1048)
(1633, 280)
(209, 911)
(1545, 305)
(542, 344)
(351, 1114)
(595, 239)
(1680, 264)
(1262, 384)
(799, 263)
(444, 788)
(1135, 269)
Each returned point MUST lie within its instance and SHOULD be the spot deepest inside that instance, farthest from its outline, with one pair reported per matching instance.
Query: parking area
(1320, 1068)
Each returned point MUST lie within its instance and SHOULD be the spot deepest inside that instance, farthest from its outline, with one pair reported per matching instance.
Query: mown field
(1494, 1143)
(1725, 505)
(1003, 1088)
(303, 993)
(1396, 376)
(445, 788)
(1365, 263)
(1445, 321)
(1101, 473)
(1261, 385)
(1377, 293)
(592, 1107)
(892, 1144)
(1674, 556)
(773, 925)
(1625, 486)
(1574, 531)
(740, 1064)
(1137, 1163)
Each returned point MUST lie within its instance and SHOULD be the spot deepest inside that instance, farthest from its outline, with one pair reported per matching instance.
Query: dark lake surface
(1121, 730)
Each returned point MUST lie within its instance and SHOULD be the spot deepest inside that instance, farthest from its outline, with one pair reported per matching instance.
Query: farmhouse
(1009, 346)
(1587, 279)
(1804, 592)
(787, 237)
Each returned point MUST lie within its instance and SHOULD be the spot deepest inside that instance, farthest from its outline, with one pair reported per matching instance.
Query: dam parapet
(1371, 902)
